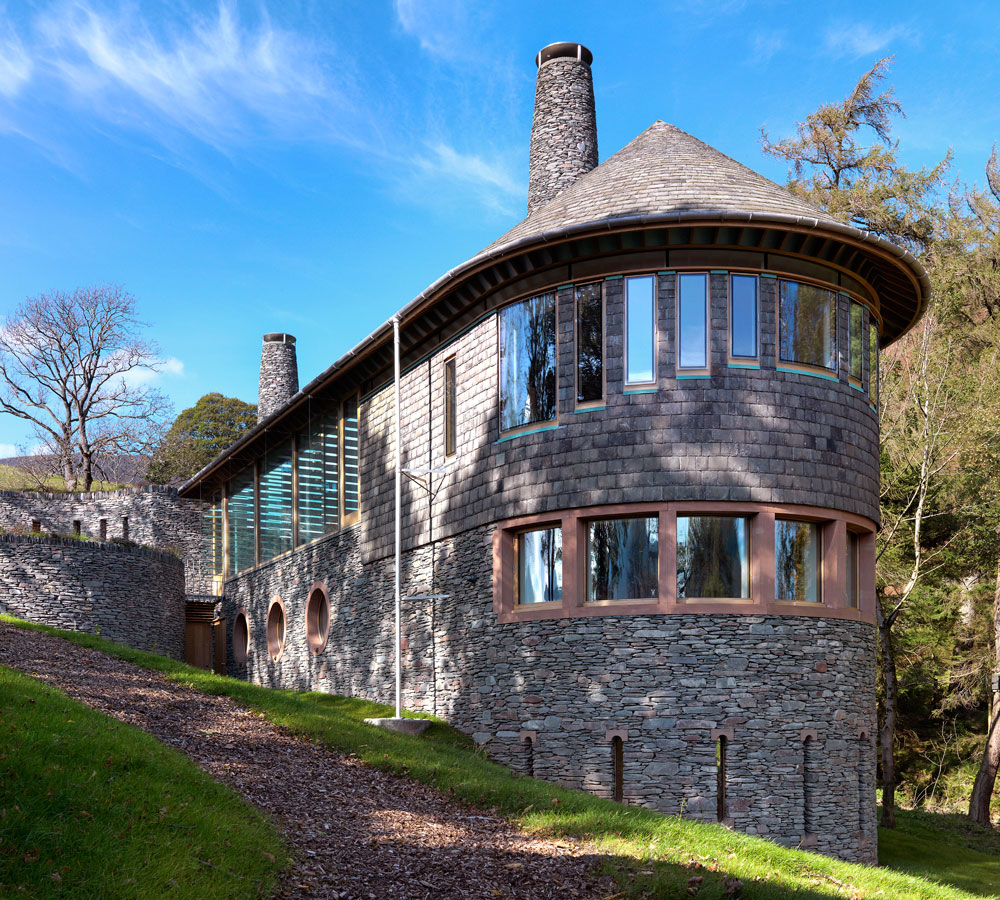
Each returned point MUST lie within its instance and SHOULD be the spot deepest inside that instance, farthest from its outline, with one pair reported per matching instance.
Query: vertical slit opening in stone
(76, 527)
(807, 788)
(125, 528)
(103, 526)
(861, 783)
(721, 748)
(529, 756)
(617, 769)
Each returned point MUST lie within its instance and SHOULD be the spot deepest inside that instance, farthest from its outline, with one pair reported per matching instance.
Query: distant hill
(113, 471)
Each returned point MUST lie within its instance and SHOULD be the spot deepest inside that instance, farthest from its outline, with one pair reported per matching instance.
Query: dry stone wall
(669, 683)
(152, 515)
(130, 595)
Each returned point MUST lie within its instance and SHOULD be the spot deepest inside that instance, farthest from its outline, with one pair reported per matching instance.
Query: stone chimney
(564, 127)
(279, 373)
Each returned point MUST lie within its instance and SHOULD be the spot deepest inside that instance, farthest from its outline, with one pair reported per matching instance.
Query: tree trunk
(887, 735)
(982, 790)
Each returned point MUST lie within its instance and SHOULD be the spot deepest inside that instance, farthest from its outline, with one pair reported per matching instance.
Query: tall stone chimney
(564, 127)
(279, 373)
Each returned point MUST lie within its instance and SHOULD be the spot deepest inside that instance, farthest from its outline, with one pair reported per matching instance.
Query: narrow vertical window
(539, 566)
(528, 362)
(873, 360)
(855, 341)
(617, 769)
(622, 559)
(351, 461)
(589, 343)
(450, 407)
(807, 325)
(640, 330)
(211, 537)
(851, 570)
(720, 774)
(797, 568)
(692, 321)
(743, 317)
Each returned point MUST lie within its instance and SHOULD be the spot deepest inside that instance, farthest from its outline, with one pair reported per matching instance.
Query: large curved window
(539, 566)
(807, 325)
(528, 362)
(622, 559)
(712, 557)
(797, 568)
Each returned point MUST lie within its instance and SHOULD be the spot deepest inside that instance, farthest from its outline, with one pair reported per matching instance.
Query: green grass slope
(91, 807)
(650, 854)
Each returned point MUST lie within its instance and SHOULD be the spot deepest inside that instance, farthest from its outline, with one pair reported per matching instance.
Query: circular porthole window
(317, 619)
(276, 629)
(241, 637)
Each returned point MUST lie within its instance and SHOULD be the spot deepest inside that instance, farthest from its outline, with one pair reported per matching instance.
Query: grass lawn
(91, 807)
(651, 854)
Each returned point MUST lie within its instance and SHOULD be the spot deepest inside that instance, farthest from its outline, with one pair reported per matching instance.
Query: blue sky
(311, 166)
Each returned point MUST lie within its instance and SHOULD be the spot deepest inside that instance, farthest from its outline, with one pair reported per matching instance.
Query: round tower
(564, 126)
(279, 373)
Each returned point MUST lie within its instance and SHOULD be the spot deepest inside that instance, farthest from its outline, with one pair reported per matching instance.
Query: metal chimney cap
(278, 337)
(564, 50)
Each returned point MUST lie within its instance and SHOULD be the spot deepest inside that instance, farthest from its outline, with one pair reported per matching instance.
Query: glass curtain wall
(242, 521)
(589, 343)
(351, 460)
(807, 325)
(528, 362)
(712, 557)
(622, 559)
(211, 537)
(319, 477)
(539, 566)
(276, 532)
(797, 566)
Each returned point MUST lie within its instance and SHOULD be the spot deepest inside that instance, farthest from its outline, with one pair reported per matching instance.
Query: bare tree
(71, 364)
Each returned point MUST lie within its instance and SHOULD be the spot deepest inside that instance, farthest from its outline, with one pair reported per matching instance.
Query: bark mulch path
(355, 832)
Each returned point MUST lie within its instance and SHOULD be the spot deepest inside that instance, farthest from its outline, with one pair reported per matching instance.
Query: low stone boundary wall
(127, 594)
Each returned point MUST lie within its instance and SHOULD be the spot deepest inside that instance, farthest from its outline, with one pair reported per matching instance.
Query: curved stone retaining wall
(155, 516)
(130, 595)
(793, 696)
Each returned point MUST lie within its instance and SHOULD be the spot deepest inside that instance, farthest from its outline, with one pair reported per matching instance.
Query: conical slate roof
(663, 170)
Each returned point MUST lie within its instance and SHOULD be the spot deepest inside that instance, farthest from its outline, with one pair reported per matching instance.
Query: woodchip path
(355, 832)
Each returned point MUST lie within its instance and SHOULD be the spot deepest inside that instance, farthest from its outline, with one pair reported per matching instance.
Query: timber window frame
(743, 280)
(692, 295)
(540, 391)
(553, 565)
(792, 295)
(632, 316)
(450, 375)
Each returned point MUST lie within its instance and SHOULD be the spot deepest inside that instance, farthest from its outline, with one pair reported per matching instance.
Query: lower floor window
(712, 557)
(622, 559)
(797, 566)
(539, 566)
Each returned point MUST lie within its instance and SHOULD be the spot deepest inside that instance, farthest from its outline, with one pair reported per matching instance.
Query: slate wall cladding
(126, 594)
(668, 681)
(752, 435)
(156, 516)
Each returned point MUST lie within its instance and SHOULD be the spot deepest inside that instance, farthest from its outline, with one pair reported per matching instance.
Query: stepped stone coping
(103, 546)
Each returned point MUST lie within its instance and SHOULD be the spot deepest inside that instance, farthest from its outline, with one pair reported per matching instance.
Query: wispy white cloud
(859, 39)
(765, 44)
(169, 367)
(15, 63)
(438, 25)
(7, 450)
(491, 181)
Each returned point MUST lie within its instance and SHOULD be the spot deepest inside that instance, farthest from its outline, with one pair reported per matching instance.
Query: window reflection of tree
(590, 359)
(795, 562)
(623, 559)
(528, 362)
(710, 557)
(808, 324)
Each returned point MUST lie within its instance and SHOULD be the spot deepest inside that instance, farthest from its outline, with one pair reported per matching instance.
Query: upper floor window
(807, 325)
(351, 456)
(450, 407)
(873, 360)
(640, 330)
(275, 514)
(855, 340)
(797, 568)
(528, 362)
(713, 559)
(241, 514)
(622, 559)
(539, 566)
(692, 321)
(211, 537)
(589, 343)
(318, 461)
(743, 329)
